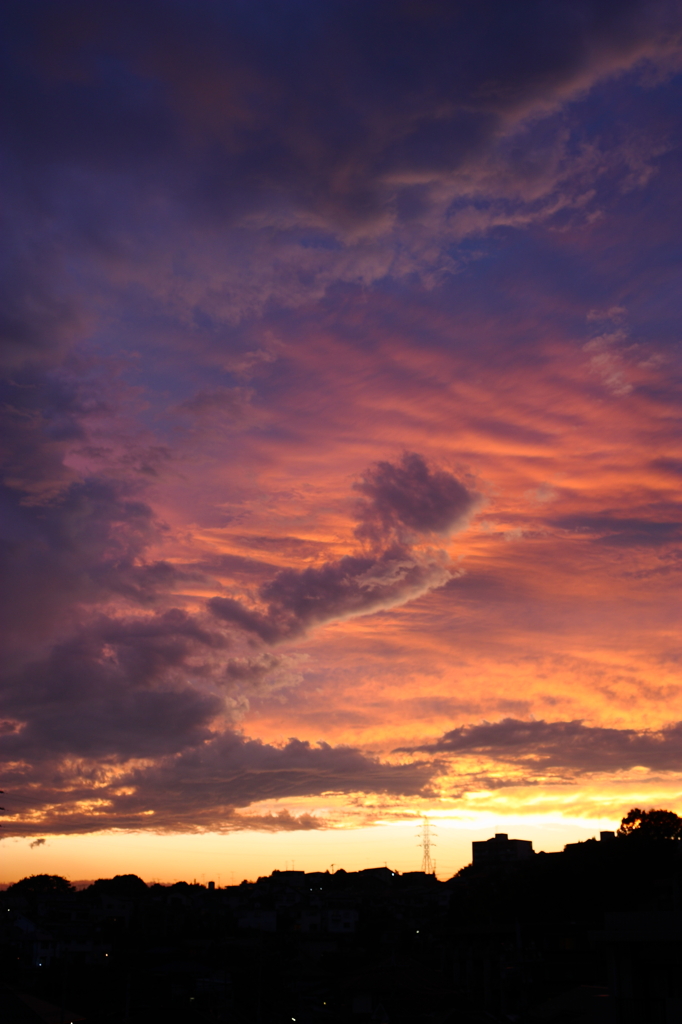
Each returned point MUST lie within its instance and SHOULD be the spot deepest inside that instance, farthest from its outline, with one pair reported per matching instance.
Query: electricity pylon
(426, 842)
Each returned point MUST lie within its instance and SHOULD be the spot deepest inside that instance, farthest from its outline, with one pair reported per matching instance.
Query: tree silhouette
(653, 824)
(119, 885)
(40, 885)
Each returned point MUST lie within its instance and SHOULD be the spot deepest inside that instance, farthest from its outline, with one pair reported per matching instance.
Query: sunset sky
(342, 429)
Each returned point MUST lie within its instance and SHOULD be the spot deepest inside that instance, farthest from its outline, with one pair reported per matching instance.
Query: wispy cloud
(403, 503)
(540, 745)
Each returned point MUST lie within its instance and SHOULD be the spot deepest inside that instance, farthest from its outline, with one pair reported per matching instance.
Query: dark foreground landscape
(590, 934)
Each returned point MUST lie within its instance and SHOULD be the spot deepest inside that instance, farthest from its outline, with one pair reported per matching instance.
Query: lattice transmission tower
(426, 835)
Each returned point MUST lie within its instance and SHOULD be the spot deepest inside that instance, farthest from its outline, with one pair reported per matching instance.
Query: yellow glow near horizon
(229, 858)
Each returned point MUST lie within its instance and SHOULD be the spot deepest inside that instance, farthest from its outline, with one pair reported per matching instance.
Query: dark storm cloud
(78, 547)
(120, 688)
(340, 142)
(565, 745)
(615, 531)
(69, 541)
(323, 102)
(409, 498)
(204, 787)
(402, 502)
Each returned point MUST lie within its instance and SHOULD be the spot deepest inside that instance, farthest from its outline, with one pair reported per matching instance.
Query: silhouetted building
(501, 850)
(590, 844)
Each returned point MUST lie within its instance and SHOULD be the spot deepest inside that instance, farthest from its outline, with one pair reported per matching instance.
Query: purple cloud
(411, 499)
(402, 502)
(203, 788)
(622, 531)
(540, 745)
(299, 599)
(117, 689)
(219, 118)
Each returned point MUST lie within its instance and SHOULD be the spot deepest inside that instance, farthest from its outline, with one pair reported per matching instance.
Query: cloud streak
(541, 745)
(204, 788)
(621, 531)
